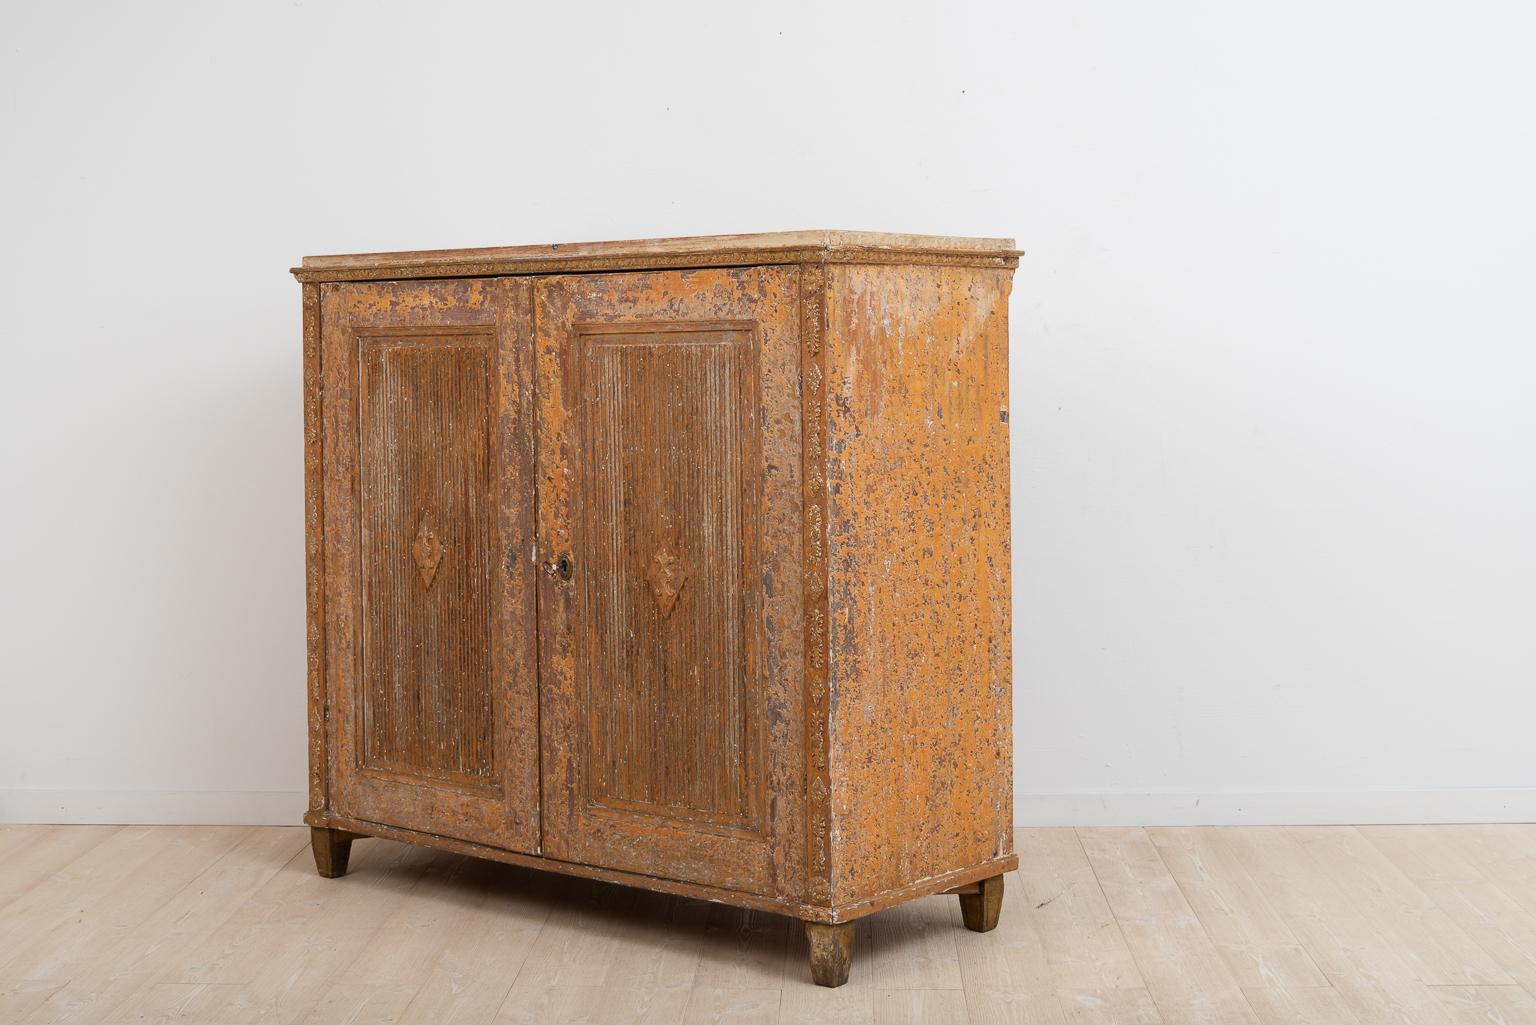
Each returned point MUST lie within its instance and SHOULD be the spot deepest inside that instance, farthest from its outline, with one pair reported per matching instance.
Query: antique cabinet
(681, 564)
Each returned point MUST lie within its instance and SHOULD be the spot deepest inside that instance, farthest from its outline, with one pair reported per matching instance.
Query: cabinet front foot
(831, 952)
(980, 909)
(332, 848)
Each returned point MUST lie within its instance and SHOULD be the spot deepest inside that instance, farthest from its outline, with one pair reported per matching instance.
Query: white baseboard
(1083, 808)
(1274, 808)
(156, 807)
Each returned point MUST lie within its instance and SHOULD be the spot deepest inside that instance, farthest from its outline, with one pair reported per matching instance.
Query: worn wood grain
(256, 940)
(89, 935)
(100, 981)
(318, 703)
(83, 881)
(1363, 963)
(1432, 944)
(981, 908)
(714, 1006)
(1299, 1005)
(1488, 1005)
(1258, 947)
(669, 549)
(427, 462)
(831, 948)
(428, 557)
(784, 247)
(743, 950)
(817, 700)
(918, 572)
(361, 1005)
(920, 1007)
(33, 852)
(332, 849)
(1505, 854)
(1186, 976)
(20, 997)
(1465, 894)
(1083, 943)
(457, 941)
(916, 946)
(665, 418)
(251, 934)
(1011, 958)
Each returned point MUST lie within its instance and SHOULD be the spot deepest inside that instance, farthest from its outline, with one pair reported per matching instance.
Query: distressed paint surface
(455, 750)
(669, 583)
(813, 394)
(763, 249)
(426, 499)
(918, 573)
(664, 810)
(868, 741)
(314, 565)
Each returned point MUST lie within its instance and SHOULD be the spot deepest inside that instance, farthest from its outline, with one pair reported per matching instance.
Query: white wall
(1274, 353)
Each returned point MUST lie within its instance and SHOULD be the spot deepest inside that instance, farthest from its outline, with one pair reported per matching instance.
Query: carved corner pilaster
(813, 292)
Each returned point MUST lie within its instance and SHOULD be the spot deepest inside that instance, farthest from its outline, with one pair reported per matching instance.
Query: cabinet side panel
(918, 573)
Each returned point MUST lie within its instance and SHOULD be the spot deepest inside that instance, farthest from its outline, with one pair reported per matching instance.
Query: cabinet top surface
(656, 253)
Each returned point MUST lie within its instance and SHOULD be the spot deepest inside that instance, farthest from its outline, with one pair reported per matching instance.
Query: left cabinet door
(427, 450)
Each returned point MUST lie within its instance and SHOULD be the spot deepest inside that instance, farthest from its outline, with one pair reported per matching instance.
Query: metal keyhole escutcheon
(560, 567)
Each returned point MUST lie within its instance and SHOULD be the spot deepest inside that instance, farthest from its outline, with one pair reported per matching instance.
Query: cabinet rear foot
(981, 909)
(332, 848)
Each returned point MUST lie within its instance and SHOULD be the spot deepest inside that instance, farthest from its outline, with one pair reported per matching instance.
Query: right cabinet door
(668, 475)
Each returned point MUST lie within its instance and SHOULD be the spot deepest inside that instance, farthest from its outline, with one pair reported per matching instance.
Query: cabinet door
(668, 474)
(428, 508)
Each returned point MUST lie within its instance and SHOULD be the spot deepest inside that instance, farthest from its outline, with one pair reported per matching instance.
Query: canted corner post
(831, 952)
(981, 907)
(332, 848)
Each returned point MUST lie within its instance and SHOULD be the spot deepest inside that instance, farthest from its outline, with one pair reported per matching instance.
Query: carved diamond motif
(666, 575)
(427, 550)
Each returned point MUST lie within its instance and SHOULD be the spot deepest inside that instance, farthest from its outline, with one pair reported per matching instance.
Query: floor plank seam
(1206, 931)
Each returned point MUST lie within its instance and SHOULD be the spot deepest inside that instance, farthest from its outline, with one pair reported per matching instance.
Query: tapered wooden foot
(332, 848)
(831, 952)
(980, 909)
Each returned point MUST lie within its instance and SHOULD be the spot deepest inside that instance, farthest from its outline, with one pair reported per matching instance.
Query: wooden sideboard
(680, 563)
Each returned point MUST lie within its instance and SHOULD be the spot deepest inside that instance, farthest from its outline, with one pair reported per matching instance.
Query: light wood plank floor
(1408, 925)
